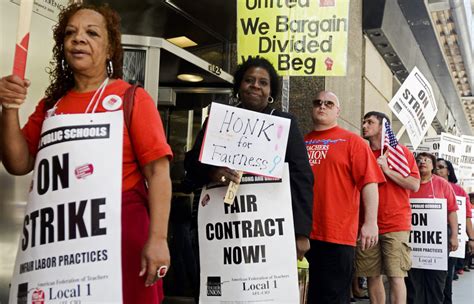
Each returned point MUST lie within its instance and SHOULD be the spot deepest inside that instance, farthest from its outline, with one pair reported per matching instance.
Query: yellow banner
(300, 37)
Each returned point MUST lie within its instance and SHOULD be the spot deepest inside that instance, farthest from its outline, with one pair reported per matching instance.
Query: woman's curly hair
(62, 79)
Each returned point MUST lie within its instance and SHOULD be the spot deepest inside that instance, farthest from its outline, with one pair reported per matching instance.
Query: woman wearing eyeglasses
(445, 169)
(425, 285)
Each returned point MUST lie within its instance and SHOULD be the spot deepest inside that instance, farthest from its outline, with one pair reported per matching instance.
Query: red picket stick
(22, 38)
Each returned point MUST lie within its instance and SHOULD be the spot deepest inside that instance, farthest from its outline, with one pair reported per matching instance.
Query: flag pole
(382, 140)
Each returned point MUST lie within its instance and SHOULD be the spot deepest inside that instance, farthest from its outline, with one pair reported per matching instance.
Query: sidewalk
(463, 289)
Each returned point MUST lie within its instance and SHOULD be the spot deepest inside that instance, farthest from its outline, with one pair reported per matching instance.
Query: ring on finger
(161, 272)
(223, 179)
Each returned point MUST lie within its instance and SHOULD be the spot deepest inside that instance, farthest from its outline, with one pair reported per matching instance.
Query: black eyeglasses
(327, 103)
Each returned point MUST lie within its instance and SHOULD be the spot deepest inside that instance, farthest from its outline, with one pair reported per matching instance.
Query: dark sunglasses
(327, 103)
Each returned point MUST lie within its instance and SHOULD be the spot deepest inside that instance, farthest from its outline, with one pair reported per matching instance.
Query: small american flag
(396, 158)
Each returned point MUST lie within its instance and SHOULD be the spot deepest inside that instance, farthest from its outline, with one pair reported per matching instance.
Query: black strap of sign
(128, 102)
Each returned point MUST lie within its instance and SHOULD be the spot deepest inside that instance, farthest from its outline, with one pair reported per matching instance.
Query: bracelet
(7, 105)
(471, 240)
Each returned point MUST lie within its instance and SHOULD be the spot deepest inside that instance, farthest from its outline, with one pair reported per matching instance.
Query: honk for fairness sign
(247, 250)
(245, 140)
(70, 248)
(300, 37)
(429, 234)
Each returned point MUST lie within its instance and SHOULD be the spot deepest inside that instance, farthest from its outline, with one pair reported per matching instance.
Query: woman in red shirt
(86, 70)
(445, 169)
(424, 285)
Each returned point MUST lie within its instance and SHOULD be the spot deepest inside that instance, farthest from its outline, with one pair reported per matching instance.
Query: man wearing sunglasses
(345, 170)
(391, 256)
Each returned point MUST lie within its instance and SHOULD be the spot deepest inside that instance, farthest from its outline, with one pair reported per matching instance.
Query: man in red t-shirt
(391, 256)
(345, 170)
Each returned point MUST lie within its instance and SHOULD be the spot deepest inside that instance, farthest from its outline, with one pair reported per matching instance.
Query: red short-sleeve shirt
(437, 187)
(459, 191)
(149, 141)
(342, 165)
(394, 212)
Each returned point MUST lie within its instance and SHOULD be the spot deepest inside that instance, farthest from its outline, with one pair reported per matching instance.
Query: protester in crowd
(425, 285)
(87, 59)
(357, 291)
(470, 263)
(256, 86)
(462, 265)
(391, 256)
(445, 169)
(344, 169)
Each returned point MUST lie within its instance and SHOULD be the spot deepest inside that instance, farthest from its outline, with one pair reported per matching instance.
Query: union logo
(38, 296)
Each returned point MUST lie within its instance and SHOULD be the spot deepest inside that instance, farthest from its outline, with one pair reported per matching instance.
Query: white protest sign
(450, 149)
(462, 236)
(446, 146)
(245, 140)
(420, 149)
(433, 142)
(415, 106)
(70, 247)
(48, 8)
(429, 233)
(247, 250)
(467, 161)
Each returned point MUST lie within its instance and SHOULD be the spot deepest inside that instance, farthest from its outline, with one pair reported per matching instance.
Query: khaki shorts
(391, 256)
